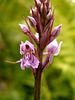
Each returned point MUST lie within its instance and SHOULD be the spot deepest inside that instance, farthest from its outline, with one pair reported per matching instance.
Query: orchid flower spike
(53, 49)
(28, 59)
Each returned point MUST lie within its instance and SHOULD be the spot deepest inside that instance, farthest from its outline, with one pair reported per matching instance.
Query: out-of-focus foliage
(58, 80)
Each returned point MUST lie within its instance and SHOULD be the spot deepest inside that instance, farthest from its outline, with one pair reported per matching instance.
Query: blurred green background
(58, 80)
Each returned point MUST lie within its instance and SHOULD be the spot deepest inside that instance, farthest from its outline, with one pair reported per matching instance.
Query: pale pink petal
(22, 65)
(34, 61)
(52, 46)
(53, 49)
(30, 45)
(37, 35)
(45, 53)
(38, 2)
(22, 48)
(54, 43)
(27, 64)
(58, 49)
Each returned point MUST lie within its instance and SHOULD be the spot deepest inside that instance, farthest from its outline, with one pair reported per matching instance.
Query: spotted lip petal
(30, 61)
(34, 61)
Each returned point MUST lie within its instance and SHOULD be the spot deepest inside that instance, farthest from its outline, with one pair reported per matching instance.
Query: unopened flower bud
(47, 3)
(35, 10)
(43, 9)
(38, 2)
(32, 21)
(56, 30)
(49, 15)
(24, 28)
(37, 35)
(30, 12)
(55, 33)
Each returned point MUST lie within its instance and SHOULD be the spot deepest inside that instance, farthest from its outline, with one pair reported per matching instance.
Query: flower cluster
(41, 19)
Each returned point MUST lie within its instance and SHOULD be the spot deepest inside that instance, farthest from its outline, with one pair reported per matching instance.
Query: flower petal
(58, 49)
(37, 35)
(34, 61)
(22, 48)
(54, 43)
(27, 64)
(52, 46)
(22, 65)
(30, 45)
(45, 53)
